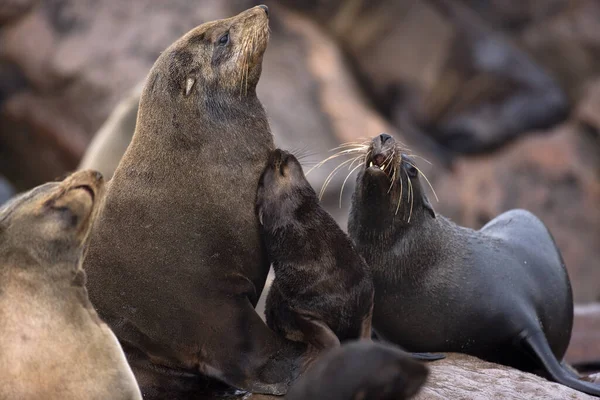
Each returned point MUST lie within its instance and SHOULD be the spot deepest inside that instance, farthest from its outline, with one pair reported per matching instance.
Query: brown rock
(464, 377)
(556, 176)
(567, 43)
(468, 378)
(585, 340)
(12, 9)
(588, 109)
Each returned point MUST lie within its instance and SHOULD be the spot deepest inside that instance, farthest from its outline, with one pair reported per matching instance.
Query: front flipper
(536, 342)
(316, 332)
(427, 356)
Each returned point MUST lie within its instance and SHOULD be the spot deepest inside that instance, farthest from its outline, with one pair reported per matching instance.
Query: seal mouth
(380, 162)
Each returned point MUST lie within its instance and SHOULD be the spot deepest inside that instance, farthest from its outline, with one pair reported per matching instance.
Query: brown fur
(176, 262)
(52, 343)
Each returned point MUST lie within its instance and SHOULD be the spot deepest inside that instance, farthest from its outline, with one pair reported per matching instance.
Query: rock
(465, 377)
(468, 378)
(464, 85)
(555, 175)
(567, 43)
(13, 9)
(585, 340)
(6, 190)
(588, 109)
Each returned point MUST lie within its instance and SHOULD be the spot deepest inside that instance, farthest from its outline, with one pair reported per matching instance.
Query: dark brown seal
(322, 293)
(52, 343)
(176, 263)
(497, 293)
(361, 370)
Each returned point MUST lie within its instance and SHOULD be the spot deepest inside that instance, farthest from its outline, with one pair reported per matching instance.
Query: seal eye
(412, 171)
(223, 40)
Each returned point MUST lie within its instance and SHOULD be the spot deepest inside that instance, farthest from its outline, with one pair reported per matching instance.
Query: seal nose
(265, 8)
(98, 176)
(384, 138)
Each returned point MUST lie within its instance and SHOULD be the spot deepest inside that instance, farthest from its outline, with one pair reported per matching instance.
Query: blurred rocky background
(502, 97)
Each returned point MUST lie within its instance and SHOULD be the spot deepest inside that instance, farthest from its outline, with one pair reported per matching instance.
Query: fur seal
(361, 370)
(112, 139)
(322, 293)
(501, 293)
(176, 262)
(52, 343)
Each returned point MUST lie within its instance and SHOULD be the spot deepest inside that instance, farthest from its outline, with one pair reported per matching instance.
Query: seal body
(322, 293)
(495, 293)
(361, 370)
(176, 261)
(52, 343)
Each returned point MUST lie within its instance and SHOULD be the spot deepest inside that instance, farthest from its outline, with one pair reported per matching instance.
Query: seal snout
(265, 8)
(90, 181)
(381, 154)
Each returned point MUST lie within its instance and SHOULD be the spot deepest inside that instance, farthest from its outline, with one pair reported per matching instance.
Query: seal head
(389, 193)
(361, 370)
(52, 343)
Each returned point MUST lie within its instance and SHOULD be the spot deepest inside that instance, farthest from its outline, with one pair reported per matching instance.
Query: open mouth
(380, 162)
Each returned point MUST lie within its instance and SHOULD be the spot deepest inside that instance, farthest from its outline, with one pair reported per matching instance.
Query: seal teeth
(370, 164)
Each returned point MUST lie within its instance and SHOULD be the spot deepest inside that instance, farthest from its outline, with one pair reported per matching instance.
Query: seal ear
(427, 206)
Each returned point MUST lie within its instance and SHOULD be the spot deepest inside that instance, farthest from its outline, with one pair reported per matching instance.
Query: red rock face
(585, 340)
(556, 176)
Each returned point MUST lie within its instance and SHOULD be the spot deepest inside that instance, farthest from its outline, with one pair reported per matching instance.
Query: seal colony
(176, 263)
(52, 343)
(322, 293)
(501, 293)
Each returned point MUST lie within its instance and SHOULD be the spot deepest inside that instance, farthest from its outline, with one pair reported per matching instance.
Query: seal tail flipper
(537, 343)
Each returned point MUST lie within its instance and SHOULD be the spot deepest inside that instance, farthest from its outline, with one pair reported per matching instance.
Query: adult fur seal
(52, 343)
(322, 293)
(497, 293)
(361, 370)
(176, 262)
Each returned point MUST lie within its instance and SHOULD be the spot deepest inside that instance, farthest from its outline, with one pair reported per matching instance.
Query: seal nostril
(265, 8)
(384, 137)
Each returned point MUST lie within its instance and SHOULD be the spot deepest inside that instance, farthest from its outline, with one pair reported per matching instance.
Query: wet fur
(52, 343)
(176, 262)
(497, 293)
(322, 293)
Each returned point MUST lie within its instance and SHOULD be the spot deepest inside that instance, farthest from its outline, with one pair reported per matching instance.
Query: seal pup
(176, 262)
(322, 293)
(361, 370)
(52, 343)
(501, 293)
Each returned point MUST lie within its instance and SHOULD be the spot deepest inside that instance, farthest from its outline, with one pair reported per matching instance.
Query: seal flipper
(316, 332)
(417, 356)
(427, 356)
(537, 343)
